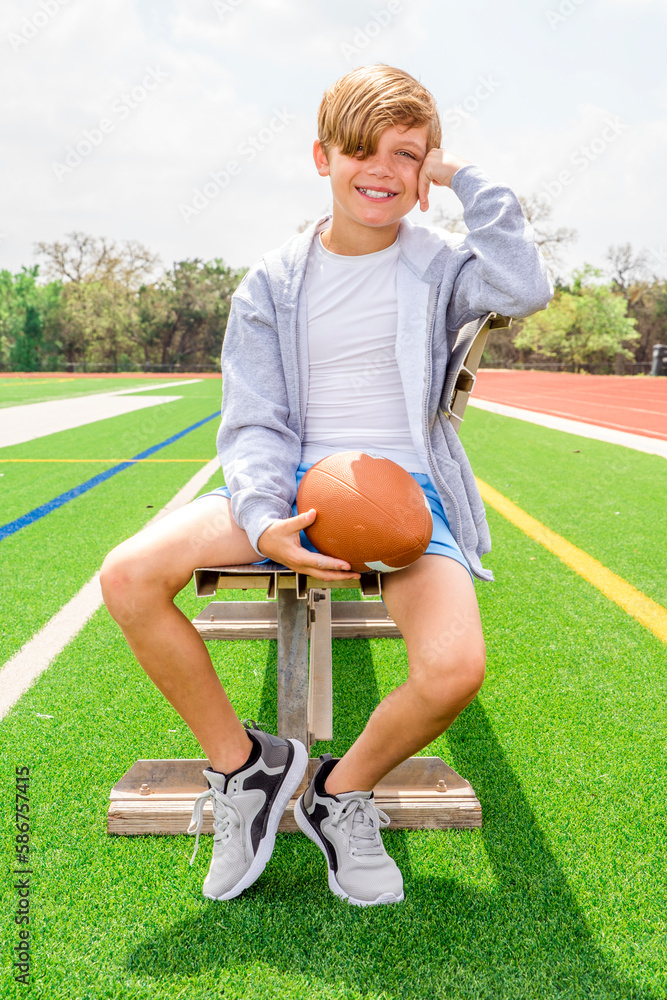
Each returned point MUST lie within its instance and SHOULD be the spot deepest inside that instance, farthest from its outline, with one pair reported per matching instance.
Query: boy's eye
(404, 152)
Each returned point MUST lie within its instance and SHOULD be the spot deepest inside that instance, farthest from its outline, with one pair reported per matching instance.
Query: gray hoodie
(444, 280)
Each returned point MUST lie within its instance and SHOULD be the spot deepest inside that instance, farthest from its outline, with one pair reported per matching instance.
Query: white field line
(149, 388)
(20, 672)
(30, 421)
(652, 446)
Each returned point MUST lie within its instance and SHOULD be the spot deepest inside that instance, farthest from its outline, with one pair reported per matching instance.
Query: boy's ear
(320, 158)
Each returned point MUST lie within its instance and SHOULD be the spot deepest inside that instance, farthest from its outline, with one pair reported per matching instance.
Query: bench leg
(320, 696)
(292, 666)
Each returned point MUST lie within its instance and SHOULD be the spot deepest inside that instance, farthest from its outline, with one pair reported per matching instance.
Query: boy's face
(381, 189)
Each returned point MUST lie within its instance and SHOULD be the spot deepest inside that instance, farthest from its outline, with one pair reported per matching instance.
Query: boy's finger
(331, 577)
(317, 561)
(422, 190)
(295, 524)
(330, 573)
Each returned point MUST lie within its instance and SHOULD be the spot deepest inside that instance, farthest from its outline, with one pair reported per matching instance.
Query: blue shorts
(442, 541)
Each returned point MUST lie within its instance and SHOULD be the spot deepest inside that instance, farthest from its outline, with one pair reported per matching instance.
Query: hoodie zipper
(427, 437)
(302, 416)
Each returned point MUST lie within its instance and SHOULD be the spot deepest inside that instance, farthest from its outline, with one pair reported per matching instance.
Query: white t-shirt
(355, 395)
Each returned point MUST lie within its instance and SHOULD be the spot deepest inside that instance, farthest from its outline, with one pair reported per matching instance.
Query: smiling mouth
(377, 194)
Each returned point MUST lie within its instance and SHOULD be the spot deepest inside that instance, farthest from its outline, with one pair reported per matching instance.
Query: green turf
(46, 563)
(19, 391)
(28, 485)
(604, 498)
(561, 894)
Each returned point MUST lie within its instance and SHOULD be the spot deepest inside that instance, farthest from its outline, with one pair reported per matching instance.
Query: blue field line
(34, 515)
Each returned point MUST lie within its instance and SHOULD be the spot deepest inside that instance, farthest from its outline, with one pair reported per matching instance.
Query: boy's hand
(438, 168)
(280, 542)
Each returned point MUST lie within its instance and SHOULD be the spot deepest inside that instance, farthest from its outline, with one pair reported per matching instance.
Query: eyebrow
(414, 144)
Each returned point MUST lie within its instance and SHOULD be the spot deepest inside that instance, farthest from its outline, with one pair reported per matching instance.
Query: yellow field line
(105, 461)
(35, 381)
(650, 614)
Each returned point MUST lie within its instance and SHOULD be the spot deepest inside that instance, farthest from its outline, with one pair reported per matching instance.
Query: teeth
(376, 194)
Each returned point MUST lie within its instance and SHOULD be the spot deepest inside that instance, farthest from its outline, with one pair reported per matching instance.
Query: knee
(118, 580)
(444, 675)
(129, 583)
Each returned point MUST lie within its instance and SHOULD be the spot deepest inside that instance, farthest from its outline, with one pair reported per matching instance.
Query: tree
(182, 318)
(27, 317)
(645, 294)
(90, 258)
(626, 268)
(95, 318)
(586, 325)
(100, 281)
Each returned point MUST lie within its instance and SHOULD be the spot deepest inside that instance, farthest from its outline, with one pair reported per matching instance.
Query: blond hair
(356, 109)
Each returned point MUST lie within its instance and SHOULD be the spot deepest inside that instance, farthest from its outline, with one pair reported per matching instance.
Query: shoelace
(357, 819)
(225, 815)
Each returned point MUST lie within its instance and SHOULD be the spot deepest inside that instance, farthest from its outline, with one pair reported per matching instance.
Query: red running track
(635, 405)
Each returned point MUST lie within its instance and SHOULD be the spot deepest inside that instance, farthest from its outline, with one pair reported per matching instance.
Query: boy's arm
(503, 271)
(258, 443)
(258, 450)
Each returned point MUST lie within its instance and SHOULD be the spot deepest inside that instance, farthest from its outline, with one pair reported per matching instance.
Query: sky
(188, 125)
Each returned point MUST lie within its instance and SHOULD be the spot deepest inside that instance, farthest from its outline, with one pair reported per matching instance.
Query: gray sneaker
(346, 828)
(247, 806)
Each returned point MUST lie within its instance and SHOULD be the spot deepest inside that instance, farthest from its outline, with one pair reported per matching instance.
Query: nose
(379, 165)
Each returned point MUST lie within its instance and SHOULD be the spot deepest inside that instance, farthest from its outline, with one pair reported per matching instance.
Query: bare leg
(140, 579)
(433, 603)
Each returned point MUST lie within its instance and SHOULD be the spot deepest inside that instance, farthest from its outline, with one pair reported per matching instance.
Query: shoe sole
(291, 782)
(306, 827)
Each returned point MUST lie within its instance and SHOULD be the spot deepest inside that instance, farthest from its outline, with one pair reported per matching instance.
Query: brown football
(370, 511)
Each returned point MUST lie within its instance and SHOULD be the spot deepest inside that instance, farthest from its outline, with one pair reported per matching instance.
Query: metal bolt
(442, 785)
(145, 789)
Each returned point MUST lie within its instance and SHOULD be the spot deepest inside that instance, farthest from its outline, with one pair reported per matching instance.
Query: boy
(339, 340)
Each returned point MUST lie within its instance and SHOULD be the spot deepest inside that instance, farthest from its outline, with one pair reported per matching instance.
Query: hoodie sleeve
(503, 270)
(258, 450)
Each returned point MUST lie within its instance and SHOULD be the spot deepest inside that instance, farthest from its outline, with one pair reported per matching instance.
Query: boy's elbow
(534, 301)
